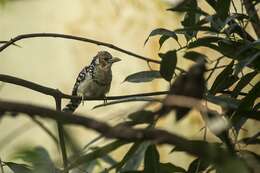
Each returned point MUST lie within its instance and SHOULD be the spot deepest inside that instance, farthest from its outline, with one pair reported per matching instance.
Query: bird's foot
(105, 99)
(82, 100)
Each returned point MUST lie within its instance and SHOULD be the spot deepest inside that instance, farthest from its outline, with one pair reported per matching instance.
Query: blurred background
(55, 63)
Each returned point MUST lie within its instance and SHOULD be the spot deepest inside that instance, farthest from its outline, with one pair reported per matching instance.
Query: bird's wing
(85, 73)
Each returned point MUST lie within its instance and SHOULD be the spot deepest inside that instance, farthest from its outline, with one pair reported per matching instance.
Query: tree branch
(251, 11)
(46, 130)
(58, 93)
(197, 148)
(71, 37)
(61, 135)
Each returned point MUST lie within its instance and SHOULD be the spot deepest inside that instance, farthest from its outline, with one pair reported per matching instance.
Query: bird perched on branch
(93, 80)
(190, 84)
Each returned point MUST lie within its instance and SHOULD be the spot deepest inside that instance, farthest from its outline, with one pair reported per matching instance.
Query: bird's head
(104, 60)
(197, 70)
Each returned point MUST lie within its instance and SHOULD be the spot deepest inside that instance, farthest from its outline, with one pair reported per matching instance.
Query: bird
(93, 80)
(189, 84)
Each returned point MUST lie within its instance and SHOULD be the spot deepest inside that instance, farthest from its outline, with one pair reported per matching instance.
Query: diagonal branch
(197, 148)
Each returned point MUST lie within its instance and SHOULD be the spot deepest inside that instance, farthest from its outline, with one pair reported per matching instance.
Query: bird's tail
(71, 106)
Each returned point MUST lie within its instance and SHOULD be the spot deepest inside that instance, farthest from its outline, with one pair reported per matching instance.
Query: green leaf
(151, 160)
(255, 159)
(143, 76)
(223, 101)
(170, 168)
(247, 62)
(256, 2)
(212, 3)
(256, 44)
(133, 157)
(222, 8)
(162, 31)
(188, 9)
(18, 168)
(242, 83)
(240, 50)
(234, 27)
(216, 23)
(100, 152)
(187, 6)
(195, 56)
(163, 38)
(109, 160)
(257, 106)
(229, 48)
(195, 29)
(221, 81)
(247, 103)
(142, 116)
(251, 140)
(198, 165)
(205, 42)
(233, 165)
(168, 64)
(190, 20)
(39, 158)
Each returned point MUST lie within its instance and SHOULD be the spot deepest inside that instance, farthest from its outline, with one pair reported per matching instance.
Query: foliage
(233, 87)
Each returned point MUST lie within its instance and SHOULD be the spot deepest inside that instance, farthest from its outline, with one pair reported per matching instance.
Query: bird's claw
(82, 100)
(105, 99)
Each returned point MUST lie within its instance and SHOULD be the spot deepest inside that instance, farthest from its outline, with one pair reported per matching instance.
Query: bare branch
(30, 85)
(126, 100)
(71, 37)
(202, 149)
(61, 135)
(39, 123)
(57, 93)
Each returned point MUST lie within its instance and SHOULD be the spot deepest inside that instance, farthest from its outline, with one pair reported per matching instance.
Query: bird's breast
(90, 88)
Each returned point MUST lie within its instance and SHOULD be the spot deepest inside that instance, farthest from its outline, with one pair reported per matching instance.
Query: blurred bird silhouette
(190, 84)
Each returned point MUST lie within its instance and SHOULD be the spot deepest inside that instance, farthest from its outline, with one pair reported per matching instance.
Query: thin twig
(132, 99)
(55, 92)
(211, 73)
(218, 67)
(83, 39)
(46, 130)
(61, 135)
(233, 4)
(3, 42)
(71, 37)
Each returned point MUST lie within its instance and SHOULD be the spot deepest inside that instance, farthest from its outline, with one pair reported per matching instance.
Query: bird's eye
(106, 58)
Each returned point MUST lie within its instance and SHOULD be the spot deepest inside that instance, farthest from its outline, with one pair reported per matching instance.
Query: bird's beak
(115, 59)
